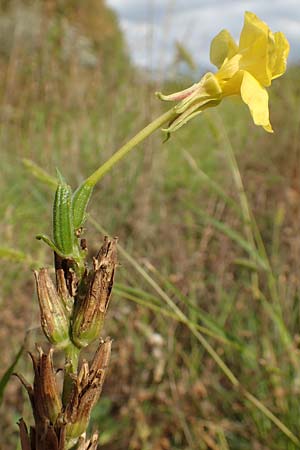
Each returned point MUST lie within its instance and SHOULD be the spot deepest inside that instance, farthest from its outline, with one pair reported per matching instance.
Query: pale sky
(152, 26)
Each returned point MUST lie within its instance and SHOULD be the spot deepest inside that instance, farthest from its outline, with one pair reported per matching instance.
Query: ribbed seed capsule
(87, 388)
(80, 201)
(54, 317)
(63, 229)
(44, 394)
(89, 313)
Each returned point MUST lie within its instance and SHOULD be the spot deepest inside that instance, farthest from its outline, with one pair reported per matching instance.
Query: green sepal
(63, 229)
(80, 201)
(51, 244)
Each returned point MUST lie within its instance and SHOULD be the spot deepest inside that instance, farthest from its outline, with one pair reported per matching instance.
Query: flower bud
(54, 318)
(91, 310)
(63, 228)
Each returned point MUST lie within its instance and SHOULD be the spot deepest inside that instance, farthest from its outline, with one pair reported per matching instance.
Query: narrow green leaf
(12, 255)
(215, 187)
(50, 243)
(80, 201)
(6, 376)
(221, 337)
(39, 173)
(233, 235)
(248, 263)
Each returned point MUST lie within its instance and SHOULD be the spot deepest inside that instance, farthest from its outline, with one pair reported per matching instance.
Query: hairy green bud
(63, 229)
(80, 201)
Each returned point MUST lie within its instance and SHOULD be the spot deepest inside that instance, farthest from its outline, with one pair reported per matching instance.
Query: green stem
(126, 148)
(71, 365)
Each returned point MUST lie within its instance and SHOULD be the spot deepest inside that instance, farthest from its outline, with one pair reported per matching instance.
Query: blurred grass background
(70, 97)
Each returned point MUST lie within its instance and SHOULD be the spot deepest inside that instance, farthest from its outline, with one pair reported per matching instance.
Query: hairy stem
(126, 148)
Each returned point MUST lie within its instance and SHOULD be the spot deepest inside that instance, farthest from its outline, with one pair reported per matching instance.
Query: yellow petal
(253, 29)
(222, 46)
(253, 46)
(232, 86)
(282, 48)
(256, 97)
(229, 68)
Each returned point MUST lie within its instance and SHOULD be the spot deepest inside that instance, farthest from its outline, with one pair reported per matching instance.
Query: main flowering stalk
(74, 308)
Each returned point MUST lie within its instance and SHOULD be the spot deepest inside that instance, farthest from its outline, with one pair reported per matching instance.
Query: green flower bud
(63, 229)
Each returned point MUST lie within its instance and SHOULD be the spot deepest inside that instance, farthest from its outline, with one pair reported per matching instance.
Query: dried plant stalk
(72, 316)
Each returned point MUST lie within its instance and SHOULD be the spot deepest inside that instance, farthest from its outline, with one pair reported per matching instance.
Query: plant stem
(71, 365)
(126, 148)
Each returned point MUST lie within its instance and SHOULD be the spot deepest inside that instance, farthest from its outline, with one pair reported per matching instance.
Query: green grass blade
(6, 376)
(200, 314)
(207, 346)
(165, 312)
(39, 173)
(17, 256)
(215, 187)
(10, 254)
(233, 235)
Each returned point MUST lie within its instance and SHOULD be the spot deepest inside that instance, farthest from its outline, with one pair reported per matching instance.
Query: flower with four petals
(245, 70)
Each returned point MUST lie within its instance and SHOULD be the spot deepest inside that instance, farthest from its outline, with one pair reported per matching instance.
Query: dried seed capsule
(87, 387)
(44, 394)
(90, 311)
(63, 229)
(88, 444)
(54, 317)
(80, 201)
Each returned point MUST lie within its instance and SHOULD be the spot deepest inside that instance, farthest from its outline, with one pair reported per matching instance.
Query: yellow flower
(245, 70)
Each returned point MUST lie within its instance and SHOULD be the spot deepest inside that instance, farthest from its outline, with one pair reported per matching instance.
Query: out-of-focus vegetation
(69, 98)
